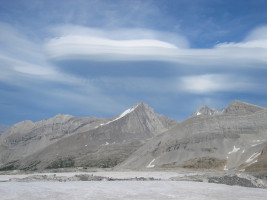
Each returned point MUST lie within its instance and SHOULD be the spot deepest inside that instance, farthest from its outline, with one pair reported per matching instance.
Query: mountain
(67, 141)
(235, 108)
(205, 110)
(26, 137)
(3, 129)
(239, 108)
(234, 139)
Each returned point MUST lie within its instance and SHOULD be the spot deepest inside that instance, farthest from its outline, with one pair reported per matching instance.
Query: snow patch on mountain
(234, 150)
(252, 157)
(150, 164)
(205, 110)
(198, 113)
(126, 112)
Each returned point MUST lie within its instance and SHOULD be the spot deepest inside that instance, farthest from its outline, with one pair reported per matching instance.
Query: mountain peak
(239, 107)
(142, 106)
(128, 111)
(23, 123)
(60, 115)
(141, 121)
(236, 107)
(59, 118)
(207, 111)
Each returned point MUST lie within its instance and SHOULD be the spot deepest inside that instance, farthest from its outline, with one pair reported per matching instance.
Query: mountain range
(67, 141)
(234, 138)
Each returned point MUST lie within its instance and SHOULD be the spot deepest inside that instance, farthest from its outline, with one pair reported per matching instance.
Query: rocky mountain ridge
(235, 108)
(235, 139)
(67, 141)
(205, 110)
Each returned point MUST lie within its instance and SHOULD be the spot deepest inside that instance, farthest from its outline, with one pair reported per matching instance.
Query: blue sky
(99, 57)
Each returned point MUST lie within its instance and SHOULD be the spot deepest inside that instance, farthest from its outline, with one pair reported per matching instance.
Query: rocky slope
(27, 137)
(67, 141)
(234, 139)
(3, 129)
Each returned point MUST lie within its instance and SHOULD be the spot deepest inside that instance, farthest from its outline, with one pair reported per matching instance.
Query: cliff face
(234, 139)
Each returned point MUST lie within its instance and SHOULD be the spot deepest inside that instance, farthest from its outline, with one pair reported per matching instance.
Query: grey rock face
(234, 139)
(235, 108)
(3, 129)
(67, 141)
(27, 137)
(239, 108)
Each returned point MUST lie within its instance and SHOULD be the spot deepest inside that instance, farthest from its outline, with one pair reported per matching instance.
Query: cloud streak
(210, 83)
(117, 44)
(33, 67)
(140, 45)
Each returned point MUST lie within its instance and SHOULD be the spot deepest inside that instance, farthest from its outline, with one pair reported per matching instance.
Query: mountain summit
(139, 122)
(205, 110)
(239, 107)
(234, 108)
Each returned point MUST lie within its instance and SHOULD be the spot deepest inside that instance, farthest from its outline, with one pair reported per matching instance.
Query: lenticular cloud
(121, 44)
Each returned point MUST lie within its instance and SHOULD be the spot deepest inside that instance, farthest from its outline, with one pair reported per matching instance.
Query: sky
(99, 57)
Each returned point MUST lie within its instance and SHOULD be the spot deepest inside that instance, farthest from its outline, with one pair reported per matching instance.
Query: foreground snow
(126, 190)
(110, 174)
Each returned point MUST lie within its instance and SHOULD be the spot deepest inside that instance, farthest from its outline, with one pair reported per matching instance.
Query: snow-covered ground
(44, 189)
(101, 190)
(110, 174)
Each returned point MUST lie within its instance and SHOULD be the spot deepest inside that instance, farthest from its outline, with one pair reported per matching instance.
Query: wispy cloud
(33, 67)
(210, 83)
(25, 68)
(117, 44)
(21, 58)
(76, 42)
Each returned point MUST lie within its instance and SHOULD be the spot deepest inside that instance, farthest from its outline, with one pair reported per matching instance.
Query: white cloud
(260, 43)
(120, 44)
(77, 42)
(259, 33)
(23, 65)
(79, 46)
(253, 49)
(20, 56)
(257, 38)
(209, 83)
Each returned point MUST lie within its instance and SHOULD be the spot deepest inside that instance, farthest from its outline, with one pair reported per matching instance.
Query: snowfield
(123, 185)
(111, 174)
(101, 190)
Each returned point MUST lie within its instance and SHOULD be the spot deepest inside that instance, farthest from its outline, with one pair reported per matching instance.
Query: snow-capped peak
(205, 110)
(198, 113)
(126, 112)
